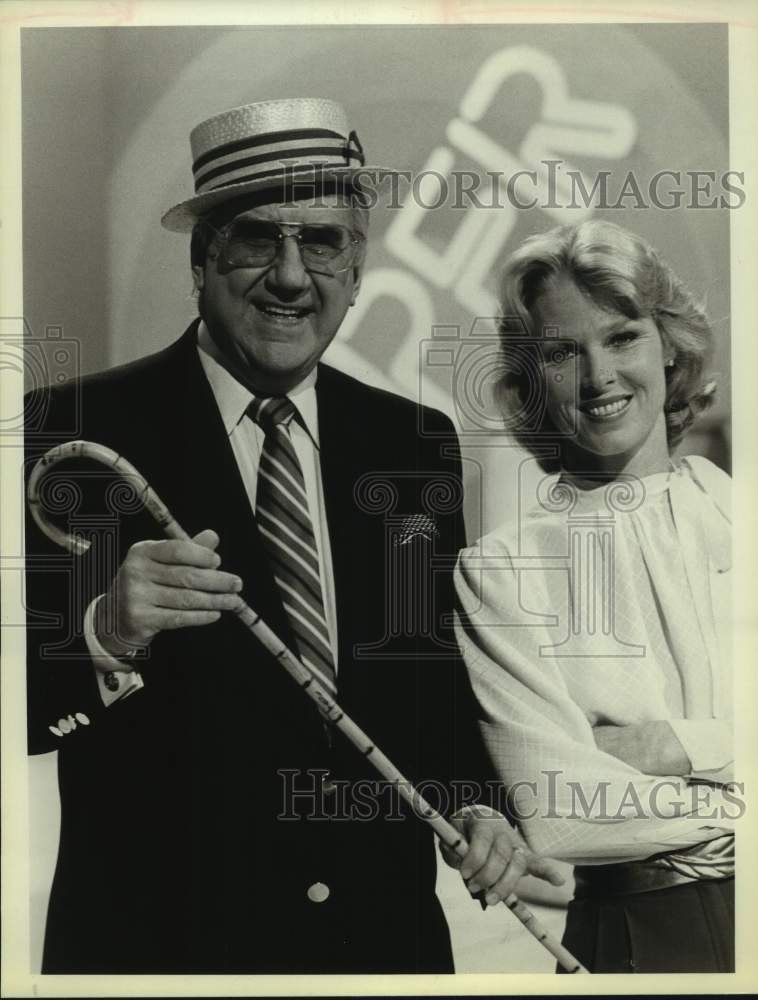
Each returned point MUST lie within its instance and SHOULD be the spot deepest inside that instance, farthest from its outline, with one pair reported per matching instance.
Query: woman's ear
(669, 350)
(198, 277)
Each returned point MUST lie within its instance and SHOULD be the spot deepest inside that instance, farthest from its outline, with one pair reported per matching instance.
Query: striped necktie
(281, 509)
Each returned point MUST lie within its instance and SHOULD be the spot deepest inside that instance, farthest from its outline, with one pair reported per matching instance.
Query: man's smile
(282, 315)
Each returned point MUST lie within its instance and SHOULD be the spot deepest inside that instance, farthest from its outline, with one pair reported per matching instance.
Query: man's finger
(208, 538)
(547, 870)
(507, 882)
(498, 858)
(451, 857)
(182, 599)
(181, 553)
(195, 578)
(479, 848)
(184, 619)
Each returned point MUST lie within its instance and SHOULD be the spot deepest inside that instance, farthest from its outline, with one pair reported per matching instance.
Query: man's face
(275, 321)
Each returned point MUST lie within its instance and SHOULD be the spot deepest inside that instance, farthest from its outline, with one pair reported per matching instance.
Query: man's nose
(597, 372)
(287, 273)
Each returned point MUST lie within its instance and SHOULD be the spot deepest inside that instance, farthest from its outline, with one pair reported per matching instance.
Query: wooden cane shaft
(274, 645)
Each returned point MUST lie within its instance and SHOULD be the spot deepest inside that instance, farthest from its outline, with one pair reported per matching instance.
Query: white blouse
(608, 606)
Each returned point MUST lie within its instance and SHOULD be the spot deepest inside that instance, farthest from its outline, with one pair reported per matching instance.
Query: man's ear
(357, 278)
(198, 277)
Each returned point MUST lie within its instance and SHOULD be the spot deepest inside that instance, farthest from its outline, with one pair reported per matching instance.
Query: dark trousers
(684, 928)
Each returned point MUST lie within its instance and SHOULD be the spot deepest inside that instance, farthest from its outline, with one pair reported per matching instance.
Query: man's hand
(650, 747)
(497, 857)
(164, 585)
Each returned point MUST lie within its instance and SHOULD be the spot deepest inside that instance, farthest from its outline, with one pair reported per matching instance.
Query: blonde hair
(620, 271)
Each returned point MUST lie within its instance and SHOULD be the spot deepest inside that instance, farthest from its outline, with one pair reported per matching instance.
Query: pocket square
(415, 526)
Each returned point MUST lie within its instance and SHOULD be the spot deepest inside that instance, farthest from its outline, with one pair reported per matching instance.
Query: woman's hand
(497, 857)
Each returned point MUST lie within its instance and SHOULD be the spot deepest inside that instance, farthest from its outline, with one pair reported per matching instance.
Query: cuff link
(111, 681)
(328, 787)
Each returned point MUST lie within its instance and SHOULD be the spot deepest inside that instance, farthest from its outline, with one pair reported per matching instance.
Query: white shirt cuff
(115, 679)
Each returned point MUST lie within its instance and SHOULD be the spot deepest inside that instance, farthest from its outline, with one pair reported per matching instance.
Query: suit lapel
(346, 456)
(212, 494)
(337, 478)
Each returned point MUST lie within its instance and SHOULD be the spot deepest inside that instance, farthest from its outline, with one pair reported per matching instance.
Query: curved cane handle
(98, 453)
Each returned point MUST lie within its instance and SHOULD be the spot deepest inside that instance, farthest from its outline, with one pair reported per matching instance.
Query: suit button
(318, 892)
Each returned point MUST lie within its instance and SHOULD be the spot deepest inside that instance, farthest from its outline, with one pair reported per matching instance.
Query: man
(209, 818)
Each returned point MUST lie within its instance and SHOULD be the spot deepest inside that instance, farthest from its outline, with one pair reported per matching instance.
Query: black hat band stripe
(274, 151)
(229, 171)
(289, 173)
(272, 154)
(265, 140)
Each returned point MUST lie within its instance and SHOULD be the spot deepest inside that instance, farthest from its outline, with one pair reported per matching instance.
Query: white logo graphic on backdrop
(568, 127)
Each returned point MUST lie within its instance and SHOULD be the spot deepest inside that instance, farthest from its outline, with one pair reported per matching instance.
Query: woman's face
(604, 380)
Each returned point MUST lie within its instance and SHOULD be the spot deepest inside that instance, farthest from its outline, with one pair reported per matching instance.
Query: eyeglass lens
(251, 242)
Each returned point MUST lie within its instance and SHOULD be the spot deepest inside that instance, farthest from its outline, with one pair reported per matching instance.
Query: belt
(625, 878)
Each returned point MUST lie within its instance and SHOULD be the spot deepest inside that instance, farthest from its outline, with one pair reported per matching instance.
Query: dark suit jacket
(182, 848)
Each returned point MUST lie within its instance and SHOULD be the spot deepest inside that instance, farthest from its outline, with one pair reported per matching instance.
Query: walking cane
(308, 683)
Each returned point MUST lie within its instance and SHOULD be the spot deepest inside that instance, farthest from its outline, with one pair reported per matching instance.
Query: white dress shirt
(544, 675)
(246, 439)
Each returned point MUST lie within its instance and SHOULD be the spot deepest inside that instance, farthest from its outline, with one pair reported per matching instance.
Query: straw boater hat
(259, 146)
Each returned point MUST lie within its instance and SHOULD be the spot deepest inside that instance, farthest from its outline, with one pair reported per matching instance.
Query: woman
(594, 625)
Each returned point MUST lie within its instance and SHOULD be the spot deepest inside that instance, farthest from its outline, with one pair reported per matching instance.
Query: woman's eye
(624, 339)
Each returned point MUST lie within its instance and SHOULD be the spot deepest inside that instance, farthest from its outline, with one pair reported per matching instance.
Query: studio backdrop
(623, 122)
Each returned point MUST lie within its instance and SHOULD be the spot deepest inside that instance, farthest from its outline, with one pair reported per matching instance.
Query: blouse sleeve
(709, 744)
(572, 800)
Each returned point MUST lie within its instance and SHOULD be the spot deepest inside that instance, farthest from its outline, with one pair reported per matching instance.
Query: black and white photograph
(377, 491)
